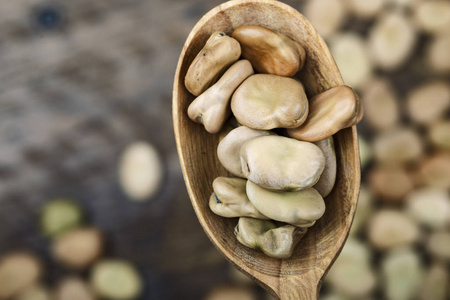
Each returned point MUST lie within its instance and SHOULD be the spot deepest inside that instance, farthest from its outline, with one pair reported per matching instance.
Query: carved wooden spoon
(300, 276)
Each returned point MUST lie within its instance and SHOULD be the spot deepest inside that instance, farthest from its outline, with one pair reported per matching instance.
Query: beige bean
(326, 181)
(391, 40)
(269, 296)
(266, 101)
(334, 296)
(436, 54)
(228, 150)
(35, 292)
(219, 52)
(432, 16)
(74, 288)
(330, 111)
(300, 208)
(391, 183)
(350, 52)
(404, 3)
(327, 16)
(230, 200)
(389, 229)
(212, 108)
(381, 110)
(430, 207)
(364, 210)
(281, 163)
(269, 51)
(141, 171)
(18, 271)
(434, 171)
(365, 151)
(237, 276)
(365, 9)
(438, 245)
(78, 248)
(398, 146)
(351, 274)
(402, 273)
(435, 283)
(439, 134)
(264, 235)
(428, 102)
(235, 292)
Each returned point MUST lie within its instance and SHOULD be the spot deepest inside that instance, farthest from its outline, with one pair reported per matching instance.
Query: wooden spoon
(300, 276)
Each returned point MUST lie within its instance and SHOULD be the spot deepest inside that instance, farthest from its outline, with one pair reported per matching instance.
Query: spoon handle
(298, 288)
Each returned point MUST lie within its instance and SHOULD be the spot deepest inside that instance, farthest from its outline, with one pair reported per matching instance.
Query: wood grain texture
(300, 276)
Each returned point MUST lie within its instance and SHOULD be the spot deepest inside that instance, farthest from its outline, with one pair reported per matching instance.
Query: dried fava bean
(437, 54)
(435, 283)
(266, 101)
(435, 171)
(237, 276)
(36, 292)
(439, 134)
(365, 151)
(269, 51)
(74, 288)
(390, 182)
(404, 3)
(430, 207)
(212, 108)
(59, 216)
(365, 9)
(330, 111)
(326, 181)
(351, 274)
(429, 101)
(230, 200)
(264, 235)
(236, 292)
(398, 146)
(78, 248)
(402, 273)
(350, 53)
(269, 297)
(326, 16)
(364, 210)
(392, 40)
(300, 208)
(219, 52)
(18, 271)
(281, 163)
(390, 228)
(334, 296)
(433, 16)
(381, 110)
(229, 148)
(438, 245)
(116, 280)
(140, 171)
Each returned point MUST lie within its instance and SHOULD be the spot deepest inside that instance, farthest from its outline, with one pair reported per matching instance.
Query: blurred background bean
(35, 292)
(402, 274)
(435, 283)
(390, 228)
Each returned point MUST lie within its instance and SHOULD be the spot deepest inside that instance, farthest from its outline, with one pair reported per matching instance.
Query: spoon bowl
(300, 276)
